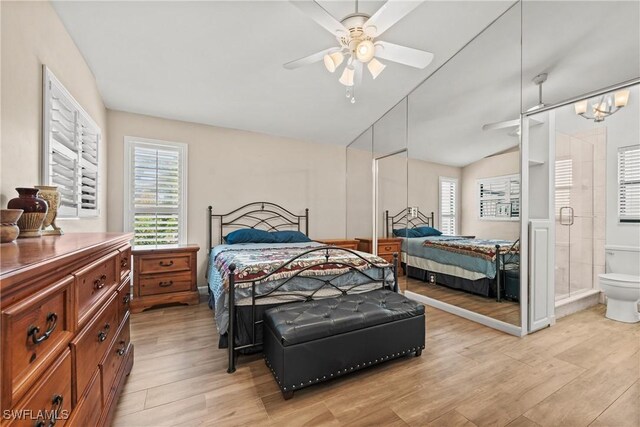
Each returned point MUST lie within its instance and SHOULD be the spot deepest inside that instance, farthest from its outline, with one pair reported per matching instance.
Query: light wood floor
(506, 311)
(583, 371)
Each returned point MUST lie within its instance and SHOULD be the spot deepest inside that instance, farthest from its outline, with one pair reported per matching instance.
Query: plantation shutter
(71, 142)
(157, 198)
(448, 208)
(564, 181)
(493, 192)
(629, 184)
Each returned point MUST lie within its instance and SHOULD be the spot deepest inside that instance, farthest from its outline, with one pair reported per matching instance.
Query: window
(564, 182)
(71, 142)
(629, 183)
(499, 198)
(155, 188)
(448, 205)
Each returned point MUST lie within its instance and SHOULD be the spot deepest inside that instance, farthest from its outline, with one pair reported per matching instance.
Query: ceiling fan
(515, 123)
(357, 35)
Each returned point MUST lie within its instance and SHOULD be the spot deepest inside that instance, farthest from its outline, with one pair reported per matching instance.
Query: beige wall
(33, 35)
(228, 168)
(502, 164)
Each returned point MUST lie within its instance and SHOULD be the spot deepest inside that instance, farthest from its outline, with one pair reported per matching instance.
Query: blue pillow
(249, 235)
(406, 232)
(427, 231)
(289, 236)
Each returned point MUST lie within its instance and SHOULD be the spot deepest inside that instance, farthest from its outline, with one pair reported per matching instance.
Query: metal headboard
(260, 215)
(403, 220)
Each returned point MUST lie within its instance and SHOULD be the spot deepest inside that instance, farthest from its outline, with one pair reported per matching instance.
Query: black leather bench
(313, 341)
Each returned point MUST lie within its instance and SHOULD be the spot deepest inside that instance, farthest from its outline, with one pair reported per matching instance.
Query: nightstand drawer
(164, 283)
(389, 248)
(165, 263)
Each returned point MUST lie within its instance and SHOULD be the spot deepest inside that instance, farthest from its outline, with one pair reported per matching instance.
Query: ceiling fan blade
(515, 123)
(403, 55)
(307, 60)
(321, 16)
(390, 13)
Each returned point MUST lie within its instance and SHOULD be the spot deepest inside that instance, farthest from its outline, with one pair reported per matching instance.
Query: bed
(247, 279)
(487, 267)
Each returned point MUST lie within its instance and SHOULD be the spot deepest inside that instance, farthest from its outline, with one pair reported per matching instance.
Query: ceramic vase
(51, 195)
(8, 224)
(35, 209)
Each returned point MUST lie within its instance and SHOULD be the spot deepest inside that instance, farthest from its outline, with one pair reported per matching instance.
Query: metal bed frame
(403, 218)
(274, 217)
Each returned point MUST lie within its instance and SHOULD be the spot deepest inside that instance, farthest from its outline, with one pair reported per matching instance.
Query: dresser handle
(166, 264)
(388, 248)
(100, 282)
(121, 351)
(56, 407)
(103, 334)
(123, 263)
(52, 321)
(126, 299)
(165, 284)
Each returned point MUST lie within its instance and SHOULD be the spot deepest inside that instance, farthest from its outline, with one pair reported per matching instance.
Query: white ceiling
(220, 63)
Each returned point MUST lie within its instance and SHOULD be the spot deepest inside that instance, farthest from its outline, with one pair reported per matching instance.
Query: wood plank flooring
(583, 371)
(506, 311)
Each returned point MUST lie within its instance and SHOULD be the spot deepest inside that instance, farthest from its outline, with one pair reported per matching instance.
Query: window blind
(71, 142)
(564, 182)
(156, 185)
(499, 198)
(448, 205)
(629, 184)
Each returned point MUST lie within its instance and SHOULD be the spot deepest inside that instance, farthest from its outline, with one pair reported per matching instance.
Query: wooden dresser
(343, 243)
(65, 328)
(164, 275)
(386, 248)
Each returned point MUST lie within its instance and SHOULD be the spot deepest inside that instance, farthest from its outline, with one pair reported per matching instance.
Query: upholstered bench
(313, 341)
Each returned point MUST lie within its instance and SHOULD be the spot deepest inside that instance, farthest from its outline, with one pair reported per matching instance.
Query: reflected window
(448, 205)
(564, 182)
(499, 198)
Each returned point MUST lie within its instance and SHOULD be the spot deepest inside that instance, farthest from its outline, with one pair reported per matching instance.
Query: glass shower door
(574, 206)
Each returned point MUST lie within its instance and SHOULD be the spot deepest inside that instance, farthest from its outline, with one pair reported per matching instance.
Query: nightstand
(164, 275)
(386, 248)
(342, 243)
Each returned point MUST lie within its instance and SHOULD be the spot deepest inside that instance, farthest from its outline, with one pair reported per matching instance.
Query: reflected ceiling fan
(357, 35)
(515, 123)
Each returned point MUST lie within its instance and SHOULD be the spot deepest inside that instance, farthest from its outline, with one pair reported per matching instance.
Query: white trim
(524, 225)
(576, 297)
(469, 315)
(622, 248)
(182, 148)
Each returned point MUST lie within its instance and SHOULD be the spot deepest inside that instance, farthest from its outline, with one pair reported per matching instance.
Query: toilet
(621, 283)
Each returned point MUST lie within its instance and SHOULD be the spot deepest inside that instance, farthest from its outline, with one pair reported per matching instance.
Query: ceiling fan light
(347, 76)
(365, 51)
(333, 61)
(375, 67)
(621, 98)
(581, 107)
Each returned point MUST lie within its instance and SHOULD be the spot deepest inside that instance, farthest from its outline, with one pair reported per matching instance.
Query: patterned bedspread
(478, 248)
(254, 263)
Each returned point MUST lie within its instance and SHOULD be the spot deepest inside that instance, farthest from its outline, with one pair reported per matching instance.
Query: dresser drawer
(388, 248)
(34, 331)
(49, 398)
(95, 281)
(112, 361)
(87, 411)
(164, 283)
(89, 347)
(124, 261)
(165, 263)
(124, 299)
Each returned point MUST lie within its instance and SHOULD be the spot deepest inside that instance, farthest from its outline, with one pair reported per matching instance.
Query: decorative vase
(35, 209)
(51, 195)
(8, 229)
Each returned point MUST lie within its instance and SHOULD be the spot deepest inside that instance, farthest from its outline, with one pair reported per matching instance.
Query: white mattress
(436, 267)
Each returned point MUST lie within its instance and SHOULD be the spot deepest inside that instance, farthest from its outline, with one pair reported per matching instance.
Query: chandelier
(602, 107)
